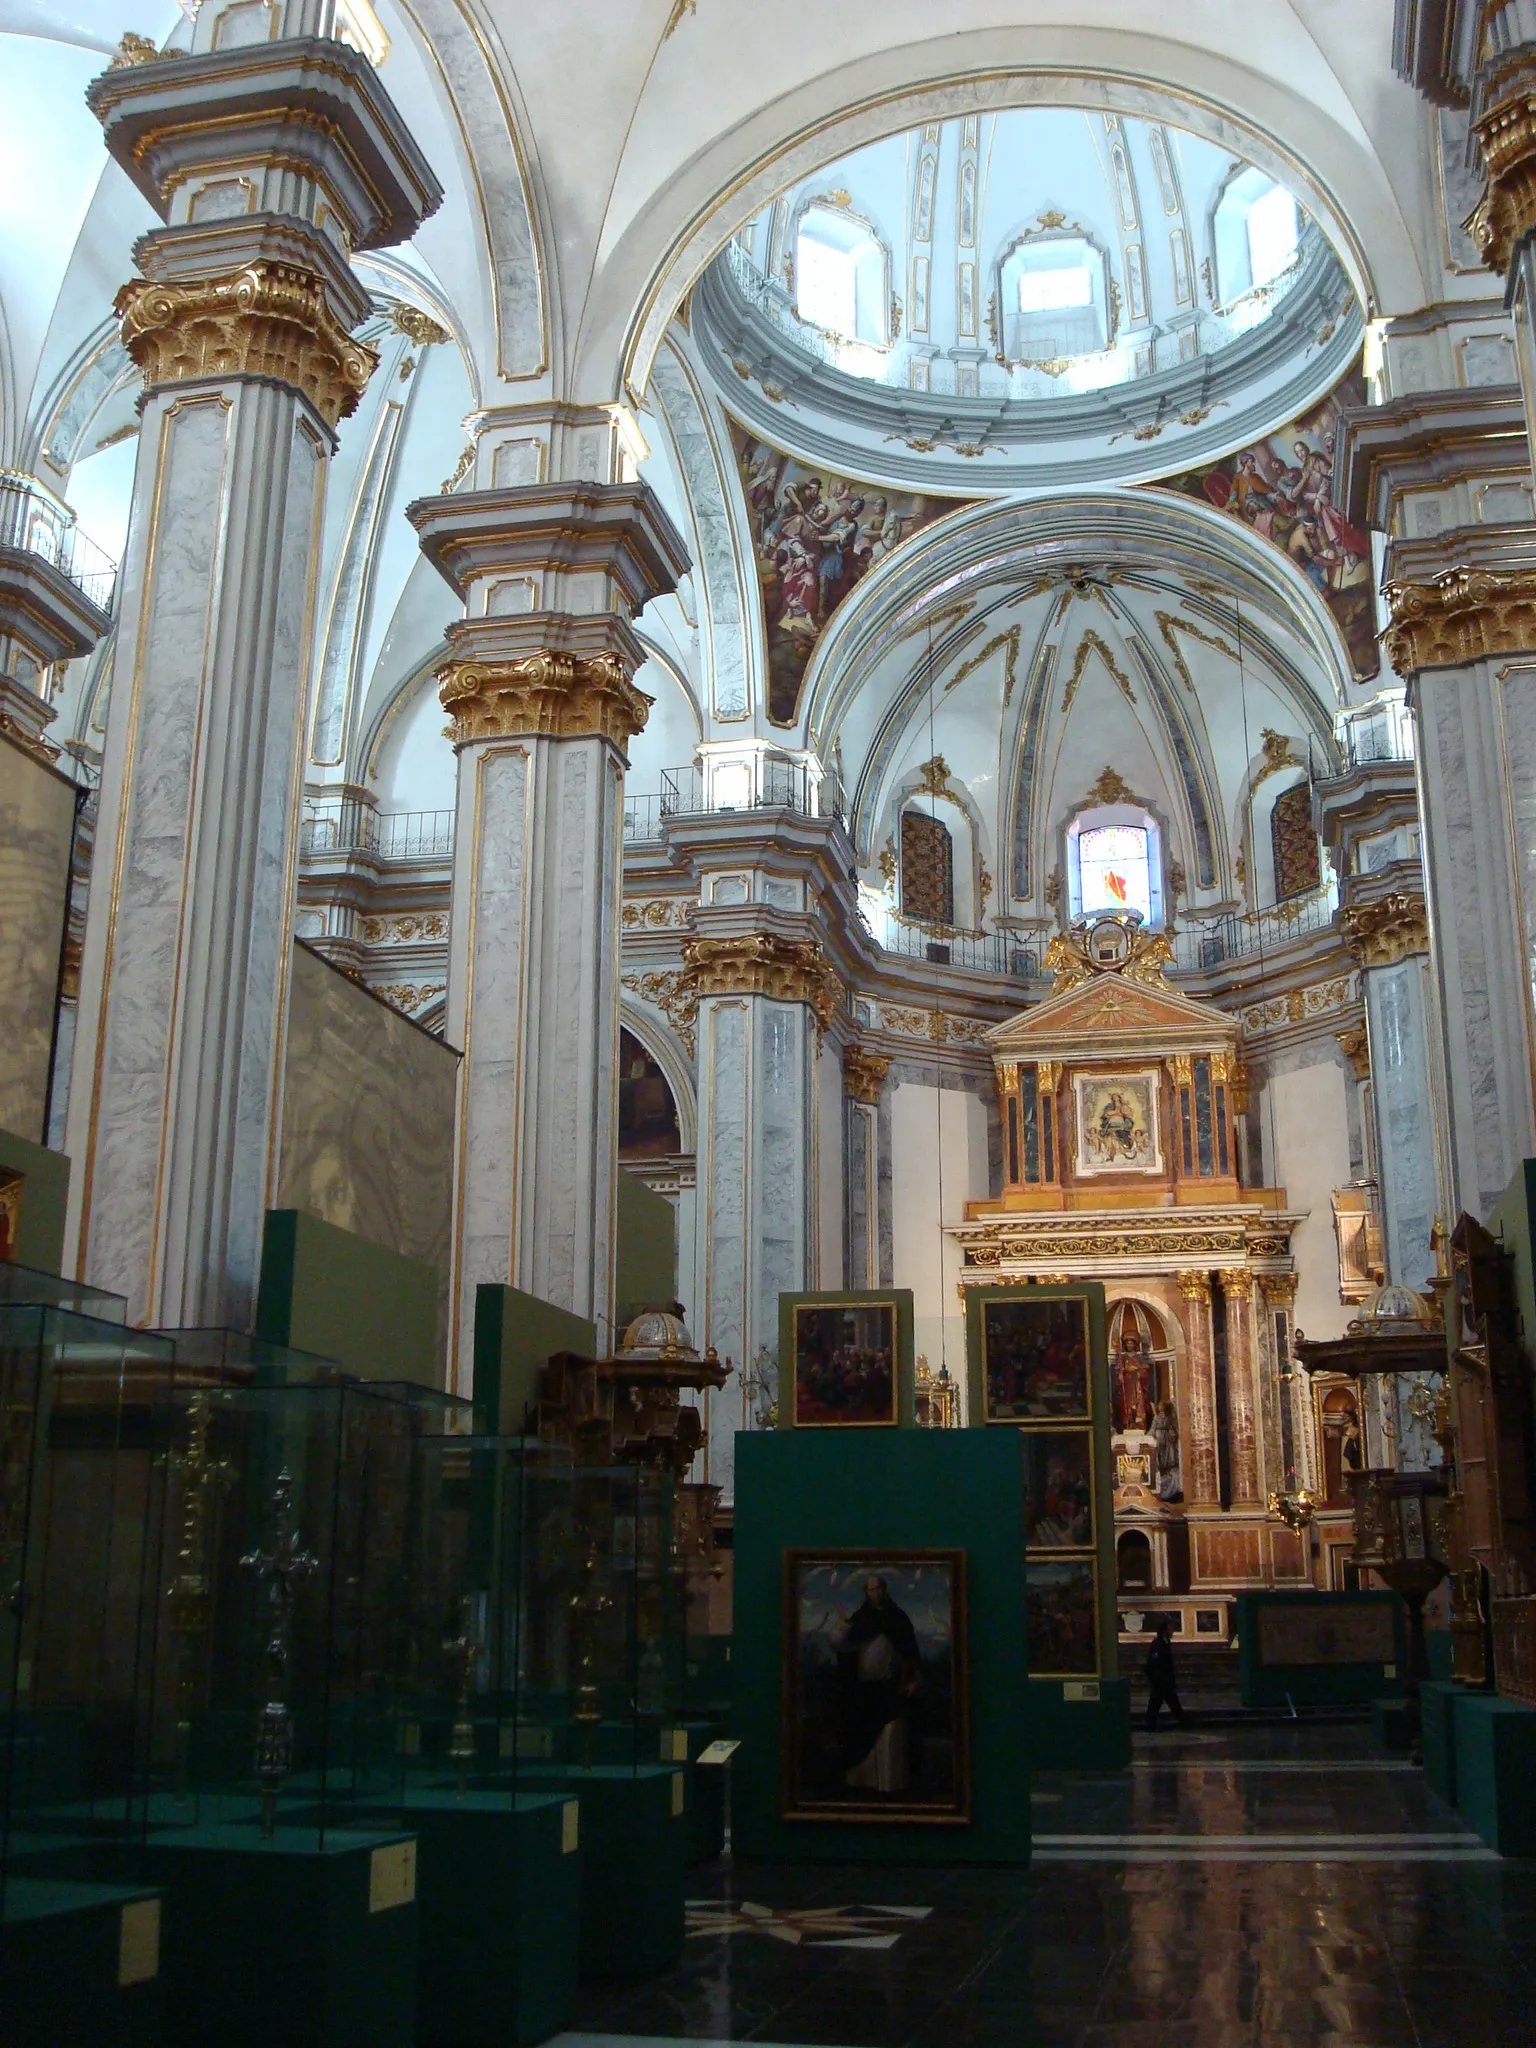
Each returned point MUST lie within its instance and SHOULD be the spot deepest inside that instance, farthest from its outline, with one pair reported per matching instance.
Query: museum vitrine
(78, 1523)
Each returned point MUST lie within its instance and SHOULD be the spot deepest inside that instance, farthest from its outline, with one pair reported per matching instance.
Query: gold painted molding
(565, 696)
(864, 1073)
(1506, 140)
(1463, 616)
(784, 970)
(1236, 1283)
(1195, 1286)
(1381, 934)
(1278, 1289)
(268, 320)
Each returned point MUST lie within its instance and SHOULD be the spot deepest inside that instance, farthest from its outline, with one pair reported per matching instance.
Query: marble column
(540, 696)
(764, 1002)
(1202, 1481)
(863, 1078)
(268, 162)
(1458, 635)
(1242, 1390)
(1390, 939)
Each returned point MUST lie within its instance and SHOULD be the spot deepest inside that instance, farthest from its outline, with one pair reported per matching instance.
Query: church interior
(767, 1023)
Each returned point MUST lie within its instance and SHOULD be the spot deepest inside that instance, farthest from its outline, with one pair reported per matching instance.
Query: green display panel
(872, 1495)
(34, 1187)
(330, 1291)
(846, 1360)
(1320, 1649)
(645, 1250)
(516, 1335)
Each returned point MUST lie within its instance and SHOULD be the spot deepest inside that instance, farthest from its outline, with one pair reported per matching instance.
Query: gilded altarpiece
(1121, 1102)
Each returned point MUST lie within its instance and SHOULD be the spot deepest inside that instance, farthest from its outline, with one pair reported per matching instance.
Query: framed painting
(1058, 1488)
(875, 1720)
(846, 1360)
(1117, 1123)
(1034, 1357)
(1062, 1617)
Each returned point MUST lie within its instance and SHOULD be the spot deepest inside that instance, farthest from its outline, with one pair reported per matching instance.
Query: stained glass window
(1114, 870)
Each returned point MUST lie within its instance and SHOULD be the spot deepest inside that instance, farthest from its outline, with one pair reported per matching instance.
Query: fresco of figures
(1282, 487)
(815, 536)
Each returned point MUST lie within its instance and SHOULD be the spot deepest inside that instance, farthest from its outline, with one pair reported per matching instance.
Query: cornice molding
(546, 694)
(1462, 616)
(271, 320)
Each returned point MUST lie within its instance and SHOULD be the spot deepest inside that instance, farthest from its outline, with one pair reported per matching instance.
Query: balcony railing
(34, 523)
(344, 825)
(1379, 732)
(757, 783)
(1209, 941)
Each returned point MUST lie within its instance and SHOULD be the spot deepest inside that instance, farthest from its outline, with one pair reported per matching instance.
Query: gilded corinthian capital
(864, 1073)
(1466, 615)
(1506, 140)
(567, 696)
(784, 970)
(1382, 933)
(267, 320)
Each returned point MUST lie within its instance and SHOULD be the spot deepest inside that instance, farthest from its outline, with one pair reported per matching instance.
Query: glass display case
(282, 1648)
(79, 1523)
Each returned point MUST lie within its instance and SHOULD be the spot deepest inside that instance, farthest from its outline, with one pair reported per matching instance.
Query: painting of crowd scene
(815, 535)
(1058, 1488)
(1061, 1615)
(875, 1711)
(1282, 487)
(845, 1364)
(1035, 1359)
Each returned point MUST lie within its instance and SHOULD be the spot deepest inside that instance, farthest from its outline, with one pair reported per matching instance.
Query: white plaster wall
(937, 1136)
(417, 768)
(1309, 1143)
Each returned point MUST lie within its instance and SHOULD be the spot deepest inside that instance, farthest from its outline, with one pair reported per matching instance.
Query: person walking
(1162, 1686)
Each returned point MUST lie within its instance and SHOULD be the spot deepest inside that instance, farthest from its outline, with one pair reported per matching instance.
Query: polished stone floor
(1270, 1887)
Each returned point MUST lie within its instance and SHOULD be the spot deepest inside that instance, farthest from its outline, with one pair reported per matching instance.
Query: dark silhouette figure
(1162, 1688)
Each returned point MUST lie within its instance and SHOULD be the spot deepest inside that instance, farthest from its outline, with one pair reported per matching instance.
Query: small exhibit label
(674, 1745)
(677, 1793)
(718, 1753)
(1080, 1689)
(410, 1738)
(570, 1827)
(392, 1876)
(138, 1942)
(1389, 1671)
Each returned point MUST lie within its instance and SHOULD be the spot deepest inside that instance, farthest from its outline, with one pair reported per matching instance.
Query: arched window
(1114, 863)
(842, 278)
(1298, 868)
(1257, 232)
(927, 869)
(1053, 295)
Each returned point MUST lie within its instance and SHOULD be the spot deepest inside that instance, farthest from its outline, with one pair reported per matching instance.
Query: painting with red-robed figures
(1282, 488)
(815, 535)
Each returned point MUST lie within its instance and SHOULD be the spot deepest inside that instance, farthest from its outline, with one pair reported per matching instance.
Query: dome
(1392, 1310)
(1008, 292)
(657, 1333)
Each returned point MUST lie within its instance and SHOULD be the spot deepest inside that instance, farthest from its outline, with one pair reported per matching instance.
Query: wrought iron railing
(346, 825)
(756, 783)
(34, 522)
(1208, 941)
